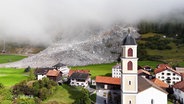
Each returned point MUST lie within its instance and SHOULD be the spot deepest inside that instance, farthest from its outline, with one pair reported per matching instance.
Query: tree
(27, 69)
(83, 98)
(31, 75)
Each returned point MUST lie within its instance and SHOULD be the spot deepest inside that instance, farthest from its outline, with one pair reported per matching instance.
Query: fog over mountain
(45, 21)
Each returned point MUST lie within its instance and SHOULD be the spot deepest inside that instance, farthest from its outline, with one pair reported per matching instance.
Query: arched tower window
(129, 65)
(130, 52)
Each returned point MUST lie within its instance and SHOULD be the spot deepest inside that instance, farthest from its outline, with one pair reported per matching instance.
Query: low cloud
(41, 21)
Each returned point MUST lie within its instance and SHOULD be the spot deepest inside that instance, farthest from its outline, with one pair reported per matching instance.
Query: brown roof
(163, 67)
(160, 83)
(78, 71)
(144, 84)
(108, 80)
(179, 85)
(53, 73)
(140, 71)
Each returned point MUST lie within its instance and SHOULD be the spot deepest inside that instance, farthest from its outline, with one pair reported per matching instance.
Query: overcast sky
(39, 21)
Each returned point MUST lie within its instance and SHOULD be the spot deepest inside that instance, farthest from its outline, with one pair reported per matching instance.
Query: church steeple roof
(129, 40)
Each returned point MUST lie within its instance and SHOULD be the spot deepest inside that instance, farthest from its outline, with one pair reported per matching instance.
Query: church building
(131, 88)
(136, 89)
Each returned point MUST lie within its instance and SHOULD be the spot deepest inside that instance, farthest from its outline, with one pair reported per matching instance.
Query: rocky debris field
(104, 47)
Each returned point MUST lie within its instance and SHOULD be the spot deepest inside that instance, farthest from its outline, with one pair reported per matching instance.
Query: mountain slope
(102, 48)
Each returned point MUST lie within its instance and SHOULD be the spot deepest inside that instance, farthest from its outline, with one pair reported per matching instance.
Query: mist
(45, 21)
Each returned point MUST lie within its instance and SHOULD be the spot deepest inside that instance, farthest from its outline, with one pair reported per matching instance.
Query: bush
(27, 69)
(84, 97)
(41, 88)
(1, 86)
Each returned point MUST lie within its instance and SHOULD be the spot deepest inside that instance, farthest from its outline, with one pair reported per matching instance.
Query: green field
(64, 95)
(11, 76)
(97, 69)
(5, 58)
(152, 64)
(106, 69)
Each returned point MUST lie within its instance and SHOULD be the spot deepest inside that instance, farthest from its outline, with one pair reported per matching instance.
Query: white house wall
(174, 78)
(65, 70)
(147, 95)
(40, 77)
(116, 73)
(79, 83)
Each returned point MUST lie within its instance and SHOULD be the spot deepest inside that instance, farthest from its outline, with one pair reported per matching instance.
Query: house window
(177, 78)
(130, 102)
(129, 82)
(174, 78)
(174, 82)
(168, 73)
(129, 65)
(130, 52)
(173, 74)
(162, 77)
(162, 73)
(152, 101)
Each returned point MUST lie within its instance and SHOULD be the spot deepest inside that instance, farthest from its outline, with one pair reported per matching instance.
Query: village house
(54, 75)
(178, 89)
(144, 73)
(167, 74)
(147, 68)
(116, 71)
(63, 68)
(108, 90)
(79, 78)
(40, 73)
(180, 69)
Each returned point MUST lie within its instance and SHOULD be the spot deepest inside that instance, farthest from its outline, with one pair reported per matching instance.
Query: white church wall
(151, 96)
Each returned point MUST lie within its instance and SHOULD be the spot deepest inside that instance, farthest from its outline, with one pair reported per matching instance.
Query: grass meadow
(97, 69)
(106, 69)
(65, 94)
(5, 58)
(11, 76)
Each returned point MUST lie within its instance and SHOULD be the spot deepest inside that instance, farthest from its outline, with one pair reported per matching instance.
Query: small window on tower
(130, 102)
(130, 52)
(152, 102)
(129, 82)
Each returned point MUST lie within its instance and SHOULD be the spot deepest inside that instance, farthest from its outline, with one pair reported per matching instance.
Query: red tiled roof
(140, 71)
(53, 73)
(160, 83)
(179, 85)
(163, 67)
(108, 80)
(79, 71)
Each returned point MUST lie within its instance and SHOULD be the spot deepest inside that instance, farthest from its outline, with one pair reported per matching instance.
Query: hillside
(102, 47)
(168, 52)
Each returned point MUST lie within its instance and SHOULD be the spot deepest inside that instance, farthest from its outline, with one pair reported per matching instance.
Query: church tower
(129, 77)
